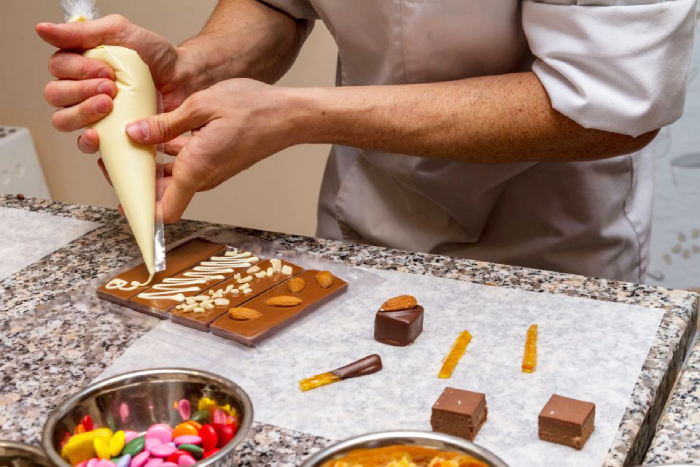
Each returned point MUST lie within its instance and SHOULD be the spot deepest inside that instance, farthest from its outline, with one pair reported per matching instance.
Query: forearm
(243, 39)
(495, 119)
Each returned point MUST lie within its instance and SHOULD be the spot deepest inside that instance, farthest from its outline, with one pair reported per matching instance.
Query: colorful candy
(209, 438)
(160, 445)
(185, 409)
(188, 439)
(117, 443)
(163, 450)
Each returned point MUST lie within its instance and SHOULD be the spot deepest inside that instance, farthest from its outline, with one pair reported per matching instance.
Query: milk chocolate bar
(277, 307)
(235, 291)
(178, 259)
(567, 421)
(459, 413)
(193, 281)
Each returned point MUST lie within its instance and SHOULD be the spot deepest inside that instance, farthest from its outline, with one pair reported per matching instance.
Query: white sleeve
(613, 65)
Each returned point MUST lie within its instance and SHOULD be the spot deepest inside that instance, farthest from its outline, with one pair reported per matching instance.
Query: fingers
(110, 30)
(176, 197)
(83, 114)
(173, 147)
(167, 126)
(154, 49)
(65, 92)
(70, 65)
(89, 141)
(101, 163)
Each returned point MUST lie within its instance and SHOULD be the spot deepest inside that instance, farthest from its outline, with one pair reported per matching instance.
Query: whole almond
(243, 314)
(283, 301)
(325, 279)
(296, 285)
(402, 302)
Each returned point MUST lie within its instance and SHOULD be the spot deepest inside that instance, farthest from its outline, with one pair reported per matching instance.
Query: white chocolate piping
(121, 284)
(173, 289)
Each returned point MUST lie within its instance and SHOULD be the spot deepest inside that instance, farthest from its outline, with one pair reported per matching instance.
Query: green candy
(196, 451)
(134, 446)
(201, 417)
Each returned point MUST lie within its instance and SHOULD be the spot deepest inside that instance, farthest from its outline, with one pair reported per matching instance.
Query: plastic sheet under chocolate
(589, 350)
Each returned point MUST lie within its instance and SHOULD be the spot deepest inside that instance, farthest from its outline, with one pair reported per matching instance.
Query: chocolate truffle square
(459, 413)
(399, 328)
(567, 421)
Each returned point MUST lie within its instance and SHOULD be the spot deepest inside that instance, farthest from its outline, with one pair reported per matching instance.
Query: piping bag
(132, 167)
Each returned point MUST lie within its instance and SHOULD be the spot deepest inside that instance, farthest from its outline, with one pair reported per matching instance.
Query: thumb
(166, 126)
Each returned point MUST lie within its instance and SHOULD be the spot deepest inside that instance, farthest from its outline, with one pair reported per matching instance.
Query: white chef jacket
(614, 65)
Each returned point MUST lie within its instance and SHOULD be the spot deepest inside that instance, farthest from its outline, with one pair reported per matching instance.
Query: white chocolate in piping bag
(131, 167)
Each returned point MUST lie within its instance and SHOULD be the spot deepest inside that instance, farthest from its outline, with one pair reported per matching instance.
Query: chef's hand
(234, 124)
(85, 87)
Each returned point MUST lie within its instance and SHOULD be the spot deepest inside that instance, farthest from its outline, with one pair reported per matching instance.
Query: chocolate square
(177, 259)
(399, 328)
(272, 318)
(567, 421)
(460, 413)
(257, 287)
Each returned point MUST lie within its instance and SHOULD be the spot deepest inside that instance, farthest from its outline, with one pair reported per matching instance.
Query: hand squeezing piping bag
(131, 167)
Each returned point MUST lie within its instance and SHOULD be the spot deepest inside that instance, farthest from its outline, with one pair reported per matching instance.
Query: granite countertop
(677, 438)
(38, 368)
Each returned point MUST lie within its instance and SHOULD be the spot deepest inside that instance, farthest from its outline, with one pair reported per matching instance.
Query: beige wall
(293, 175)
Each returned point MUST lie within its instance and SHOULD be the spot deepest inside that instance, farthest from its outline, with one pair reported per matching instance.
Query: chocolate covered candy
(459, 413)
(399, 321)
(567, 421)
(362, 367)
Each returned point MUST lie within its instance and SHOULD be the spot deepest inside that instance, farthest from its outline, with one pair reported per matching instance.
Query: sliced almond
(402, 302)
(296, 285)
(325, 279)
(283, 301)
(243, 314)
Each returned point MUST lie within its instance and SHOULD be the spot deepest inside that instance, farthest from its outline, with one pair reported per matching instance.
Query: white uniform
(615, 65)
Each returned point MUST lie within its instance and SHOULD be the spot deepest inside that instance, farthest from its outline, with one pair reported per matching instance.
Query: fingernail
(100, 105)
(138, 130)
(105, 88)
(104, 73)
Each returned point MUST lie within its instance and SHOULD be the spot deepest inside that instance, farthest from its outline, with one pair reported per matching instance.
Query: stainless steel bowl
(140, 399)
(22, 455)
(409, 438)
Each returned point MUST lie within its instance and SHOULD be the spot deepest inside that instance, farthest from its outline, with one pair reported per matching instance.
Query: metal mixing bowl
(411, 438)
(22, 455)
(139, 399)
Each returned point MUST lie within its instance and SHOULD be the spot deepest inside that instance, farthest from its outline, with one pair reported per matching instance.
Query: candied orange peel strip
(318, 381)
(458, 350)
(530, 356)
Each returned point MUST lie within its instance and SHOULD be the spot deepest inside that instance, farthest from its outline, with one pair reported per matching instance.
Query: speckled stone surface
(38, 367)
(677, 438)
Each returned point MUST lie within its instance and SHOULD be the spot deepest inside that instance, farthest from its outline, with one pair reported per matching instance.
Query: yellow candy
(116, 444)
(101, 448)
(205, 403)
(81, 447)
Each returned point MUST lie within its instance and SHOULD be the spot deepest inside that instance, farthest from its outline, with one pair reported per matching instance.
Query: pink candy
(186, 461)
(151, 443)
(139, 460)
(168, 464)
(184, 408)
(93, 462)
(106, 463)
(162, 432)
(129, 436)
(187, 439)
(82, 464)
(154, 462)
(219, 416)
(163, 450)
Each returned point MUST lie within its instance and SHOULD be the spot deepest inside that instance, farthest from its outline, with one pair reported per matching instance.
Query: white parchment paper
(26, 237)
(590, 350)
